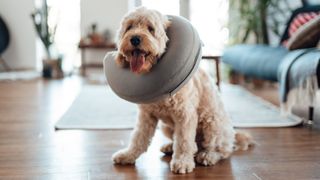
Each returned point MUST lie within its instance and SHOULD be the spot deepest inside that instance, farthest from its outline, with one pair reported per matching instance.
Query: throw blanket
(299, 76)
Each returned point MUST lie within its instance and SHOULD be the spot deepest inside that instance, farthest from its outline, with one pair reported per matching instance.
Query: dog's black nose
(135, 40)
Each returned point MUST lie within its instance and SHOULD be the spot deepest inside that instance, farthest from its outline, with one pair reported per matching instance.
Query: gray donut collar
(171, 73)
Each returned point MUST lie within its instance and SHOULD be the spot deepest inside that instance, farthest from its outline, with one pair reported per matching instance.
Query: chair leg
(5, 65)
(311, 109)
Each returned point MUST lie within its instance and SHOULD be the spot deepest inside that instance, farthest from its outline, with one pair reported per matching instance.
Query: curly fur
(194, 118)
(150, 26)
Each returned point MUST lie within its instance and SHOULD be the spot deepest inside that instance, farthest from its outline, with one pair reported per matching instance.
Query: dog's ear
(120, 33)
(122, 29)
(162, 18)
(121, 61)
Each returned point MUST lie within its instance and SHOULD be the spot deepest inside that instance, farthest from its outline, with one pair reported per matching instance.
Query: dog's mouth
(137, 60)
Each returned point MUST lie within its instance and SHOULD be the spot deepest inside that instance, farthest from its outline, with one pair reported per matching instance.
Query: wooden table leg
(83, 63)
(217, 63)
(3, 62)
(217, 60)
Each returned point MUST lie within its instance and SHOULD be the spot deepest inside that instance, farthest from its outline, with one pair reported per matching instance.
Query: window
(66, 16)
(210, 19)
(164, 6)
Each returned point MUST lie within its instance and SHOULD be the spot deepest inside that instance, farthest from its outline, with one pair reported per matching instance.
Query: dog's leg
(140, 140)
(167, 148)
(184, 145)
(217, 144)
(218, 133)
(168, 132)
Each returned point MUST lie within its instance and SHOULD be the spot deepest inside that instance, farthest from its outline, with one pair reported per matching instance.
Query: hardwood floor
(30, 148)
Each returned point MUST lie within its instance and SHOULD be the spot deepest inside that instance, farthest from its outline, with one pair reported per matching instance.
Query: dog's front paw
(123, 157)
(208, 158)
(182, 165)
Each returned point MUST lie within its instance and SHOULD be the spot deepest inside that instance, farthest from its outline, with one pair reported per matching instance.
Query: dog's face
(142, 39)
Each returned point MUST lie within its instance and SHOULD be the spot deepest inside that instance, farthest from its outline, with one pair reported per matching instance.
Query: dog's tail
(243, 141)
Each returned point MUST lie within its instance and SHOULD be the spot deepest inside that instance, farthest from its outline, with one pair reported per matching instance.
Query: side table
(217, 66)
(84, 47)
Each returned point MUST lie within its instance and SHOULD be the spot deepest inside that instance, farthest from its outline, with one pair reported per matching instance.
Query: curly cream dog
(194, 118)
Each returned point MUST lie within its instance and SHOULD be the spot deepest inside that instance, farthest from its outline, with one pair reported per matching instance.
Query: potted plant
(52, 63)
(257, 18)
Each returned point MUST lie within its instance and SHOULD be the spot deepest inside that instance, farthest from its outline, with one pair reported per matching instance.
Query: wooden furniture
(217, 66)
(4, 64)
(84, 47)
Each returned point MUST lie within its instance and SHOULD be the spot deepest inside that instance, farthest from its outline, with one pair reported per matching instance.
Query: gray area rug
(97, 107)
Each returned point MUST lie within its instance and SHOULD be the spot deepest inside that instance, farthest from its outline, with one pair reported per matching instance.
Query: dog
(193, 118)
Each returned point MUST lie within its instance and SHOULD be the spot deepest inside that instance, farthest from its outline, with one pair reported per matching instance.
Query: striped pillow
(299, 21)
(306, 36)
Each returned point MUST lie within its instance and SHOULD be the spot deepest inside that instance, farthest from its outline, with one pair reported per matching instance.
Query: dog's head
(142, 39)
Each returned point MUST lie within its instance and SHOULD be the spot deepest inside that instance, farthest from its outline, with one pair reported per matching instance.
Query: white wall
(107, 14)
(21, 52)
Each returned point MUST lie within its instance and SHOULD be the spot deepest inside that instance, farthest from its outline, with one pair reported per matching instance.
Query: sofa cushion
(260, 61)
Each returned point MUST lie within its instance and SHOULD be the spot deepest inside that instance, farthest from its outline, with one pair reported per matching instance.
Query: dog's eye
(129, 27)
(151, 29)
